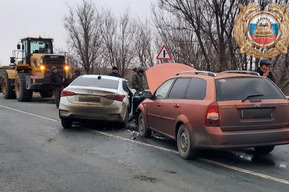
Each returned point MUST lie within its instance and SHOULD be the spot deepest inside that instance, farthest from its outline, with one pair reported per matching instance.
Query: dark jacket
(114, 74)
(56, 80)
(270, 76)
(138, 82)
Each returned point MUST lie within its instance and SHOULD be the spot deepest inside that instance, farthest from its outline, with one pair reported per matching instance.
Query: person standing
(56, 81)
(138, 80)
(114, 72)
(77, 73)
(264, 69)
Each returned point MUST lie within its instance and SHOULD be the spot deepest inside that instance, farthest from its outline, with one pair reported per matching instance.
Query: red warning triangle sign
(164, 54)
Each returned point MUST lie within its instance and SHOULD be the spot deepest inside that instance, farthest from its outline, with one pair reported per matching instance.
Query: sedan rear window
(94, 82)
(246, 88)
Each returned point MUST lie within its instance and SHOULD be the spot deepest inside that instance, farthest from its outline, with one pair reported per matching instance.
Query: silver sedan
(95, 97)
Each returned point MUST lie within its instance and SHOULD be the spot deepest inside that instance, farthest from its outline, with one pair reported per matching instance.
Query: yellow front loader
(30, 69)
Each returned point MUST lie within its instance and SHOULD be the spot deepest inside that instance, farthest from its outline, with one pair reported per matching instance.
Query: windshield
(94, 82)
(246, 88)
(40, 46)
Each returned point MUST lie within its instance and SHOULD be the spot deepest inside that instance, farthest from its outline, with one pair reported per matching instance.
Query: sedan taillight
(115, 97)
(212, 117)
(66, 93)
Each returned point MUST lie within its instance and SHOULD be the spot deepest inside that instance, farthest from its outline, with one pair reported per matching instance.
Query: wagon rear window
(242, 88)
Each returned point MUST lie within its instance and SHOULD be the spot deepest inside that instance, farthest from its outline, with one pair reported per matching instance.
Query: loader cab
(35, 46)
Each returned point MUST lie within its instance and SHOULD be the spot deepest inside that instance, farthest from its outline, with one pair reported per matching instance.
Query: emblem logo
(90, 92)
(262, 34)
(257, 105)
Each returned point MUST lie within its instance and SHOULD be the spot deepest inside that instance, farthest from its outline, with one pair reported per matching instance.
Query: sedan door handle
(177, 105)
(159, 104)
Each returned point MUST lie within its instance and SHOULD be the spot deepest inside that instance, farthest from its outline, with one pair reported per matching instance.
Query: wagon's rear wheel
(264, 149)
(184, 143)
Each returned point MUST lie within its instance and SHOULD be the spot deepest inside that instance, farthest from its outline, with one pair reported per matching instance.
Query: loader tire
(22, 94)
(7, 88)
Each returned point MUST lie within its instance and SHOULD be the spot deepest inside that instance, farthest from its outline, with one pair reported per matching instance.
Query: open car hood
(159, 73)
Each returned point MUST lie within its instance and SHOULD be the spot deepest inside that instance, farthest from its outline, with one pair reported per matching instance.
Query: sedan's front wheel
(184, 144)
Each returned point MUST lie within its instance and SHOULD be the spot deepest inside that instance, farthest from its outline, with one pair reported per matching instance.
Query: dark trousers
(57, 93)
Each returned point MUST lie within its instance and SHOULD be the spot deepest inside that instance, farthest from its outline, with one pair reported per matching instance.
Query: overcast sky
(23, 18)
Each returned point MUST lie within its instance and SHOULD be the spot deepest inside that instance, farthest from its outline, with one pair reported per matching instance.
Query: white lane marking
(134, 141)
(39, 116)
(171, 151)
(203, 160)
(246, 171)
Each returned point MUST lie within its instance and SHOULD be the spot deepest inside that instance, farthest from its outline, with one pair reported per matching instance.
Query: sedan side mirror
(147, 94)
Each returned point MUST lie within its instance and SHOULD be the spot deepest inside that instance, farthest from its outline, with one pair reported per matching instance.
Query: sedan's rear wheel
(184, 143)
(66, 123)
(46, 93)
(142, 128)
(264, 149)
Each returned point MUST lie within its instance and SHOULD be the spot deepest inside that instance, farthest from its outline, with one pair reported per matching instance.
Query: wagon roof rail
(209, 73)
(242, 72)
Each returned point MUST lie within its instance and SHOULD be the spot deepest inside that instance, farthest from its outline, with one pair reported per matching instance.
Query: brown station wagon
(217, 110)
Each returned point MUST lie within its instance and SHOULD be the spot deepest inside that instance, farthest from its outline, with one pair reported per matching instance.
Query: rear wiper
(251, 95)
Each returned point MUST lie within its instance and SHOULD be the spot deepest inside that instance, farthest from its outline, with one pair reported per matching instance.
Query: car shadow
(97, 125)
(43, 100)
(245, 156)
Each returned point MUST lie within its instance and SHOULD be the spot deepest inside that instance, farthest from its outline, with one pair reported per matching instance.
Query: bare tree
(181, 17)
(127, 38)
(109, 33)
(119, 37)
(82, 24)
(144, 45)
(209, 24)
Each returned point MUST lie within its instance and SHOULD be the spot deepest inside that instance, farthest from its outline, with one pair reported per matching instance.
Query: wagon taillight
(212, 117)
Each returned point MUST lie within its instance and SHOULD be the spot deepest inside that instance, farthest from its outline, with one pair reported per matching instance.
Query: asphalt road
(36, 154)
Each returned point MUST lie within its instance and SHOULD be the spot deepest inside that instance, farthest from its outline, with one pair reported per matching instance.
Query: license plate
(256, 113)
(90, 99)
